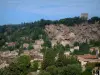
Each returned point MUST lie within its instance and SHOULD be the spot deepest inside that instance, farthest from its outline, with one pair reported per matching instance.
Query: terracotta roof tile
(88, 56)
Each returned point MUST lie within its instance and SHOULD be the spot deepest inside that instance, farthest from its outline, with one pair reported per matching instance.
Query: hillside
(45, 45)
(64, 31)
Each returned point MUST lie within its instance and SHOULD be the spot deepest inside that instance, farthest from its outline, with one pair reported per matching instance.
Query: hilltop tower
(84, 16)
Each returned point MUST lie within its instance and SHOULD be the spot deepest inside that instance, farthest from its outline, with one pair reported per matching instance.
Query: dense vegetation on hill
(33, 30)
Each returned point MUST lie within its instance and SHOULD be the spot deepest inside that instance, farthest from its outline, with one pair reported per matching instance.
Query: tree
(74, 69)
(61, 59)
(83, 49)
(64, 61)
(44, 73)
(48, 58)
(30, 47)
(47, 43)
(95, 19)
(35, 65)
(52, 70)
(11, 48)
(67, 48)
(76, 44)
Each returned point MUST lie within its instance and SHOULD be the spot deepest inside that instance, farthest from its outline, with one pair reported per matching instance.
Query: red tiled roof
(11, 43)
(88, 56)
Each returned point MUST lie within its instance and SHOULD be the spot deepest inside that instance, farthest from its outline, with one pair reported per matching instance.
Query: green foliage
(30, 47)
(67, 48)
(71, 21)
(95, 43)
(47, 43)
(2, 40)
(60, 47)
(48, 59)
(52, 70)
(76, 44)
(44, 73)
(11, 48)
(93, 53)
(64, 61)
(94, 19)
(89, 68)
(34, 65)
(74, 69)
(83, 49)
(87, 72)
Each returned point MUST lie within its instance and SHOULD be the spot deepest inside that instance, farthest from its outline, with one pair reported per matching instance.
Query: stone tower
(84, 16)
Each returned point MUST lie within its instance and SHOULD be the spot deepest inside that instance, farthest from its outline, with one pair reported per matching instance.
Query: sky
(18, 11)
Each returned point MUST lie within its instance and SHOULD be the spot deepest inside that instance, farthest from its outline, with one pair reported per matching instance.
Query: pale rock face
(71, 35)
(59, 36)
(78, 33)
(64, 43)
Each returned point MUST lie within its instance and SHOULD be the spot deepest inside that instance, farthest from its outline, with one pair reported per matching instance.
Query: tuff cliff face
(68, 35)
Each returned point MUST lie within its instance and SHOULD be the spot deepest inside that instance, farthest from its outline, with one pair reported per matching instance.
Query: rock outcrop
(70, 34)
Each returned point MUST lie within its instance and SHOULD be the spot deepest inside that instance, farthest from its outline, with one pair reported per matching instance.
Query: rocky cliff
(68, 35)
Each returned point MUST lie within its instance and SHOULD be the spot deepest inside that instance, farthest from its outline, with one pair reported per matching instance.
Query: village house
(35, 55)
(11, 44)
(84, 59)
(25, 46)
(37, 44)
(7, 57)
(10, 54)
(87, 58)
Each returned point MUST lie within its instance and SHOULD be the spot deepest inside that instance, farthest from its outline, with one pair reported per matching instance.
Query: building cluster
(35, 55)
(7, 57)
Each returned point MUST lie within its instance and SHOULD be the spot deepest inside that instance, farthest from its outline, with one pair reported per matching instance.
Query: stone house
(84, 59)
